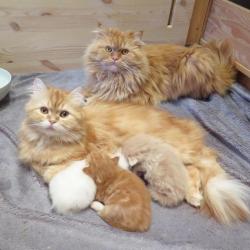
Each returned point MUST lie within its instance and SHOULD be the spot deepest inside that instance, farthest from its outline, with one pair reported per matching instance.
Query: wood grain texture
(231, 21)
(34, 35)
(198, 21)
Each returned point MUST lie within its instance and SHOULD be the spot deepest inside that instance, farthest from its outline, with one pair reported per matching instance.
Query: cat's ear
(78, 96)
(137, 36)
(38, 86)
(100, 33)
(115, 160)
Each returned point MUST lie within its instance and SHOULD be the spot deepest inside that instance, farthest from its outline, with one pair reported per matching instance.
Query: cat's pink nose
(52, 122)
(115, 58)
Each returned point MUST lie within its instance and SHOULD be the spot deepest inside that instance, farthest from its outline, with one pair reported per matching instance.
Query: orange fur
(148, 74)
(48, 150)
(127, 202)
(107, 126)
(112, 124)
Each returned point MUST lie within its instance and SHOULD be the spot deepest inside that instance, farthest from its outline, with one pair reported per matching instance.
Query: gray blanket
(26, 220)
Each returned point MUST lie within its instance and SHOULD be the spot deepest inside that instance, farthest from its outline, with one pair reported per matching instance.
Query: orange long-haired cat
(126, 200)
(107, 126)
(121, 68)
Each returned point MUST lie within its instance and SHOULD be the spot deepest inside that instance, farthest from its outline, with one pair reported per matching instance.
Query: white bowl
(5, 78)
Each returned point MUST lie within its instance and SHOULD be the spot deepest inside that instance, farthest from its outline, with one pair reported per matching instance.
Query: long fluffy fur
(107, 126)
(112, 129)
(151, 73)
(46, 150)
(226, 199)
(71, 190)
(127, 202)
(164, 172)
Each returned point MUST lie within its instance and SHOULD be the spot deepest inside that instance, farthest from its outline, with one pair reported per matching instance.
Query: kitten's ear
(115, 160)
(78, 96)
(38, 86)
(137, 36)
(100, 33)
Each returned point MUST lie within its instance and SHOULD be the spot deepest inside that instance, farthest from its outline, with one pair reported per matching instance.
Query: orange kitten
(122, 69)
(107, 126)
(126, 200)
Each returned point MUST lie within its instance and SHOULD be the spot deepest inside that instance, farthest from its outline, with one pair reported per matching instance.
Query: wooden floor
(50, 35)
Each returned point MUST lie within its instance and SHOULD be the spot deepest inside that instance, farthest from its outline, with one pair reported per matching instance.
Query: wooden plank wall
(50, 35)
(229, 20)
(198, 21)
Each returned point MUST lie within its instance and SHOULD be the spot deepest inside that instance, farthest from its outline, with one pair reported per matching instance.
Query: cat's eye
(108, 49)
(44, 110)
(124, 51)
(64, 113)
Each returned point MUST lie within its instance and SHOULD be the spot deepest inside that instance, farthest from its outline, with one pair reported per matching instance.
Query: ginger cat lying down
(121, 68)
(58, 130)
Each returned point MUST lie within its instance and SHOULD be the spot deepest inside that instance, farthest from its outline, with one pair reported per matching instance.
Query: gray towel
(26, 220)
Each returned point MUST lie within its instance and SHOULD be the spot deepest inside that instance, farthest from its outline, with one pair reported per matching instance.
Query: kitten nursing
(127, 202)
(163, 170)
(122, 69)
(71, 190)
(58, 130)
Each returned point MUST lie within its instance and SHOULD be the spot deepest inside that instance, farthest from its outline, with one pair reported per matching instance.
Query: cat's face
(115, 51)
(55, 113)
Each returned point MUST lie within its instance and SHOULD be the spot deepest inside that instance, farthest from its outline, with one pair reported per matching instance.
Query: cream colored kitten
(162, 168)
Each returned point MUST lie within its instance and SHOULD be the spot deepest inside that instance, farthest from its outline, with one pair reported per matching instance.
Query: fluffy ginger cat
(108, 126)
(164, 172)
(126, 200)
(52, 142)
(121, 68)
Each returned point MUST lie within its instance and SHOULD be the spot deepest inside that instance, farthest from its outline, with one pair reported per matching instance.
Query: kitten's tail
(225, 197)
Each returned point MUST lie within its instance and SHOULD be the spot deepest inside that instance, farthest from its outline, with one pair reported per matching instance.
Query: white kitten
(71, 190)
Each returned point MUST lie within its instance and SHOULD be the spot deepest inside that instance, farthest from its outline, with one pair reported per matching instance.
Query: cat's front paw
(122, 162)
(132, 161)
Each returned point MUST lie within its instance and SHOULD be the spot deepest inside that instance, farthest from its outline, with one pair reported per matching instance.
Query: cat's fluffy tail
(224, 65)
(225, 198)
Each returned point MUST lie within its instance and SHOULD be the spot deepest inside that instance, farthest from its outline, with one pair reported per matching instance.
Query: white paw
(195, 199)
(97, 206)
(122, 163)
(132, 161)
(115, 154)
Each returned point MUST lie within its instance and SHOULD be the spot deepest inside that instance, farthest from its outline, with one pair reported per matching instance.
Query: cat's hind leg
(194, 194)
